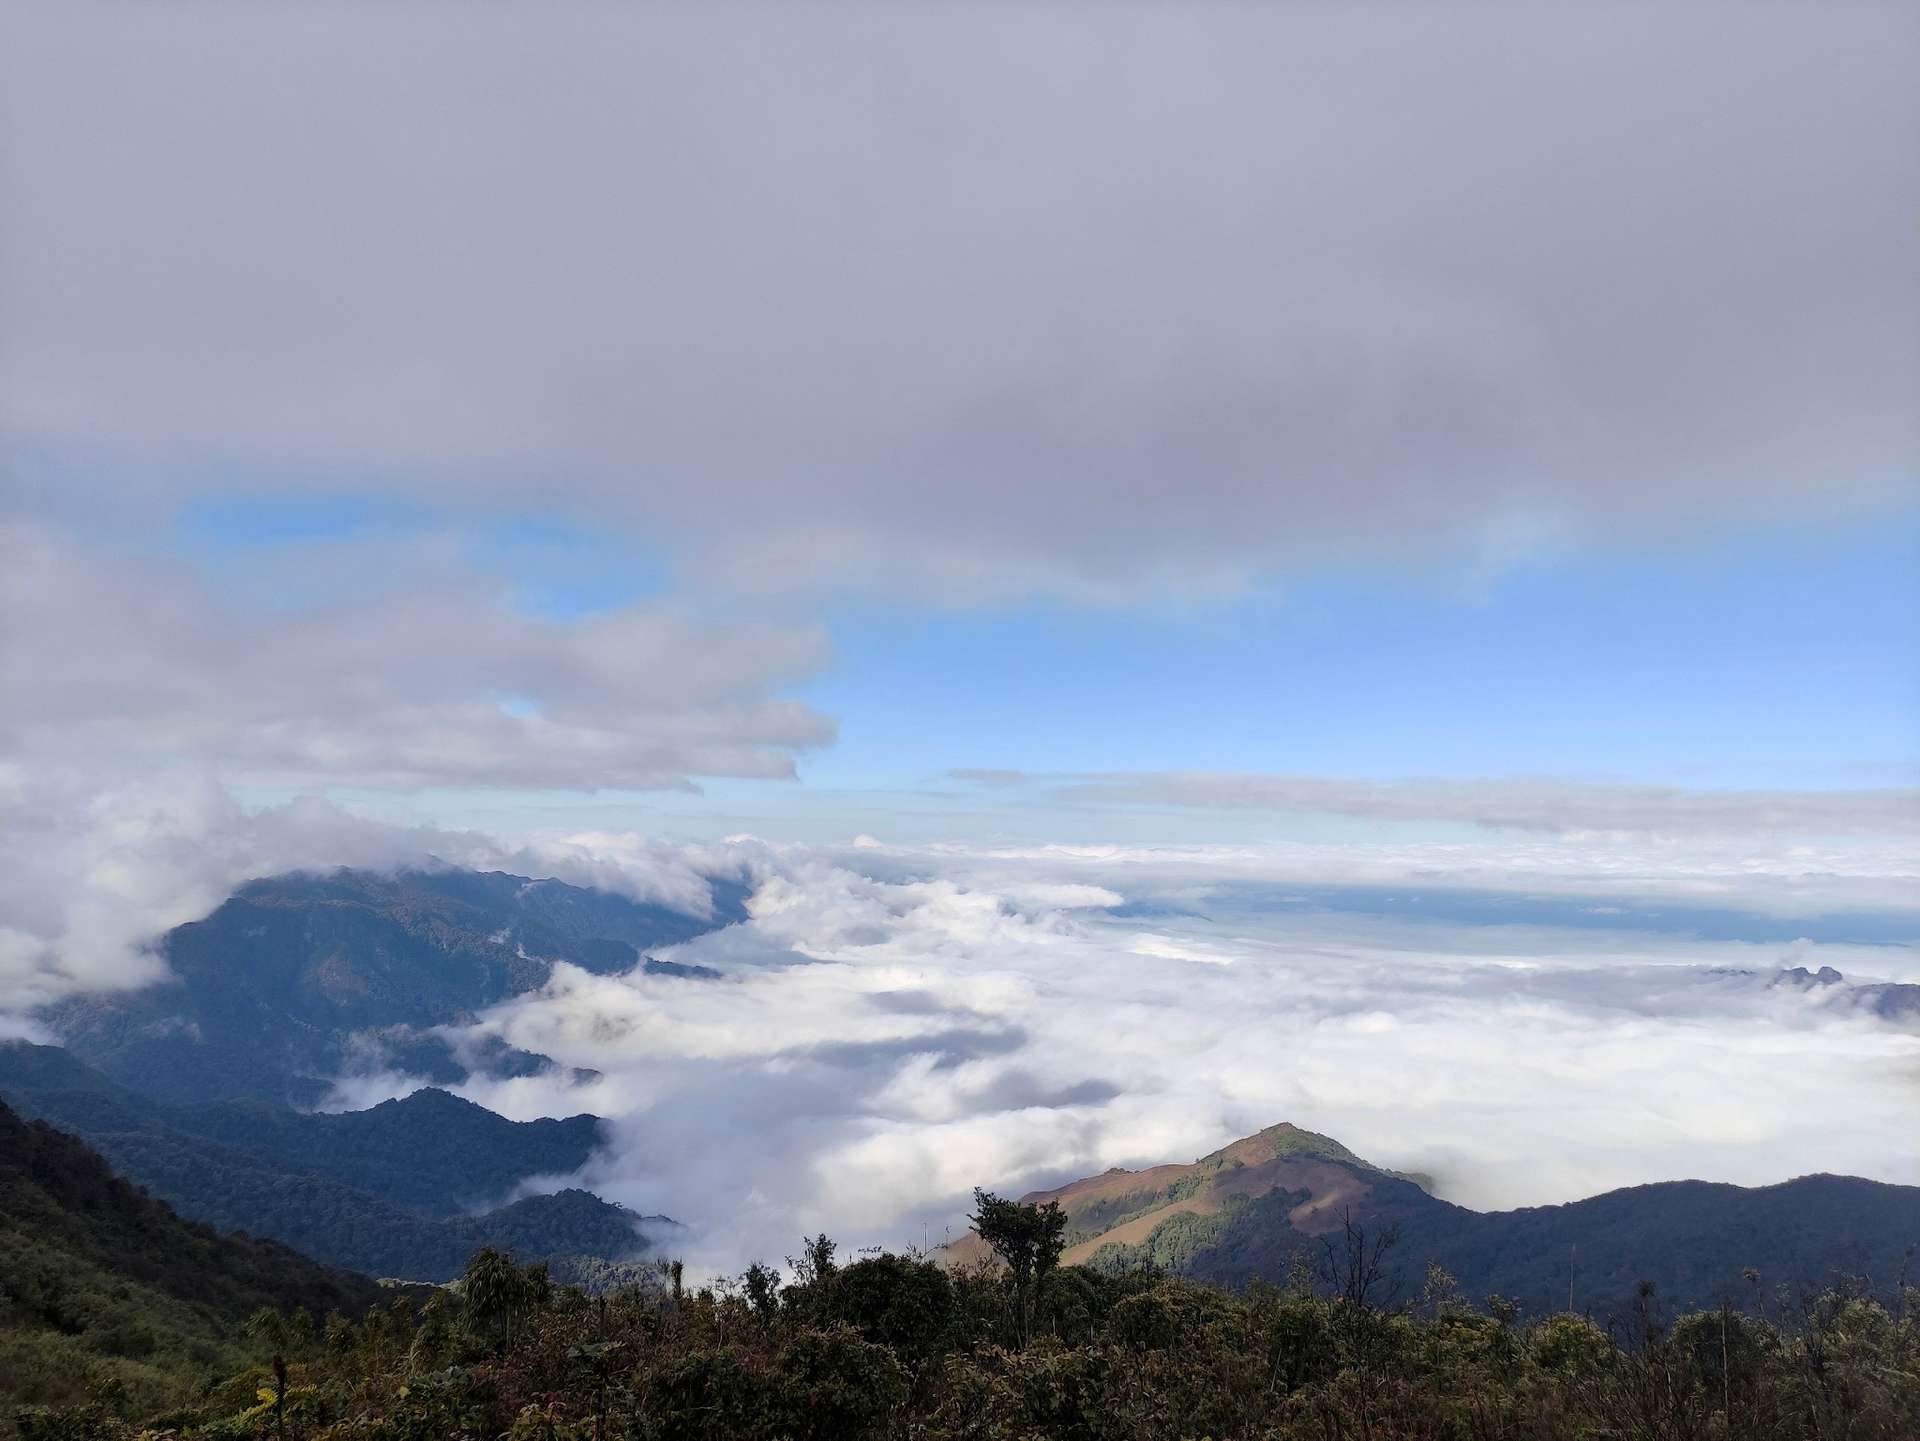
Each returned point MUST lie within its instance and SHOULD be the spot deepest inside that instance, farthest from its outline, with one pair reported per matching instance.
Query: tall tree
(493, 1288)
(1028, 1238)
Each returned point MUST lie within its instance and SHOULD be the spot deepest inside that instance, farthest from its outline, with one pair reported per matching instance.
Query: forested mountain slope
(430, 1151)
(384, 1190)
(101, 1283)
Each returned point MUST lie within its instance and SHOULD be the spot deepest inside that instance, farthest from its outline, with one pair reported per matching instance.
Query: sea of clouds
(1526, 1019)
(896, 1026)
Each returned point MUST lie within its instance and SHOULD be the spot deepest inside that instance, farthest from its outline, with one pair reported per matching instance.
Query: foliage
(107, 1297)
(1028, 1240)
(122, 1323)
(891, 1346)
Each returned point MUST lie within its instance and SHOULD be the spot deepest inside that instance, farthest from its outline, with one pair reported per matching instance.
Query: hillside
(429, 1151)
(101, 1283)
(1248, 1210)
(298, 978)
(1125, 1209)
(385, 1190)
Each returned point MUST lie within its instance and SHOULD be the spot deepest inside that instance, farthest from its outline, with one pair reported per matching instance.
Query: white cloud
(880, 1046)
(1766, 874)
(895, 1026)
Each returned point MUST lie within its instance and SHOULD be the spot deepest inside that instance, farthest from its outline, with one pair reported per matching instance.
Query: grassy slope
(1248, 1209)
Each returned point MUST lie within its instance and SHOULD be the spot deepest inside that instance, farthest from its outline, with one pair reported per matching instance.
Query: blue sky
(747, 430)
(1761, 660)
(1766, 661)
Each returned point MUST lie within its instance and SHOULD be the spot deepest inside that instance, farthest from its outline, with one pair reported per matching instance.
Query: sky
(1473, 444)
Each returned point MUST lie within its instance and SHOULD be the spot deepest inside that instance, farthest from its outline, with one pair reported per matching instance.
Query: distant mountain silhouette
(299, 978)
(1283, 1197)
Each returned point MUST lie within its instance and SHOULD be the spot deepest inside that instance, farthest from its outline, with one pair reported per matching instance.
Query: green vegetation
(895, 1346)
(107, 1296)
(1027, 1240)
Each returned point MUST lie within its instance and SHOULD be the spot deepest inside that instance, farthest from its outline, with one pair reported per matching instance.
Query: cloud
(91, 876)
(894, 1026)
(1601, 874)
(1206, 293)
(1522, 804)
(878, 1046)
(988, 776)
(120, 661)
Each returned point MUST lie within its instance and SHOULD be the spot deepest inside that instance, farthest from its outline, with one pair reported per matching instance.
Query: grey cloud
(948, 1048)
(963, 301)
(989, 777)
(1015, 1090)
(908, 1003)
(115, 659)
(1528, 805)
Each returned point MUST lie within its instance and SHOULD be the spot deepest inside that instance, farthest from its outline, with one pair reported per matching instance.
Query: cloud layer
(955, 304)
(879, 1046)
(1202, 293)
(895, 1025)
(1516, 804)
(436, 678)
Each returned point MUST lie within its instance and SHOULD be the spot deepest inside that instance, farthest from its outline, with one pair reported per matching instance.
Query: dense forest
(106, 1293)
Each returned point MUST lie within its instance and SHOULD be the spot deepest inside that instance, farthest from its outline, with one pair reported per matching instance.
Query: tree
(493, 1288)
(1028, 1238)
(1354, 1263)
(598, 1357)
(761, 1284)
(815, 1262)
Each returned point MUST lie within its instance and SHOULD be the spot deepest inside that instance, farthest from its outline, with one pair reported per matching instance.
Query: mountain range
(298, 979)
(1286, 1196)
(410, 1187)
(202, 1089)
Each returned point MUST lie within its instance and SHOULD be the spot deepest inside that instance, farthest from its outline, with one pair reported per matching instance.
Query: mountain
(298, 978)
(430, 1151)
(385, 1190)
(1888, 1000)
(101, 1283)
(1250, 1209)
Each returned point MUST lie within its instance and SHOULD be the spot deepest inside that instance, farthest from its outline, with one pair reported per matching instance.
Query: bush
(834, 1385)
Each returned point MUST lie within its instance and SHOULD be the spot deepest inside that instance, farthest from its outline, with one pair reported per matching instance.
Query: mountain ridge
(1247, 1210)
(386, 1190)
(296, 979)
